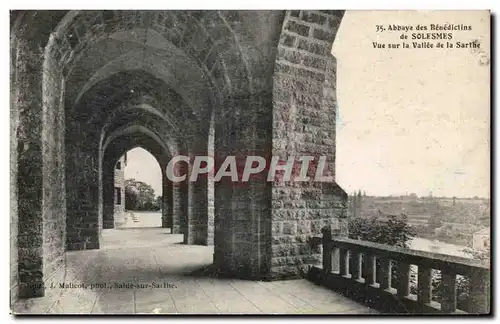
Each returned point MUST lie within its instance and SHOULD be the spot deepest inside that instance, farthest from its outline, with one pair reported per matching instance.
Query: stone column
(27, 100)
(38, 117)
(304, 124)
(179, 207)
(108, 195)
(167, 220)
(82, 190)
(196, 226)
(242, 209)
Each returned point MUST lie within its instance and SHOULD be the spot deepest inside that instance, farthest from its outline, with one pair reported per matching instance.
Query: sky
(412, 120)
(142, 166)
(409, 120)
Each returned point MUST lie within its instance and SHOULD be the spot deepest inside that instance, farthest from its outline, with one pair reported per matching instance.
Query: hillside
(449, 219)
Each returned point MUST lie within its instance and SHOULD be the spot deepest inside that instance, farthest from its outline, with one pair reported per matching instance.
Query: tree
(353, 206)
(393, 230)
(131, 197)
(159, 203)
(437, 218)
(359, 200)
(356, 204)
(139, 195)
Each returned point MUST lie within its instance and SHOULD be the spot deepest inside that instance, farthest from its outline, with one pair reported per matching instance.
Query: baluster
(424, 286)
(327, 249)
(404, 279)
(449, 292)
(385, 273)
(343, 261)
(356, 265)
(369, 269)
(335, 251)
(480, 292)
(335, 259)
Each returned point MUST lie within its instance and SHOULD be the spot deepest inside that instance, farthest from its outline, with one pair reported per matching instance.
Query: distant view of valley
(449, 220)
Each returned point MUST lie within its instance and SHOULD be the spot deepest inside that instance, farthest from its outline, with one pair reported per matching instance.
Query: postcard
(250, 162)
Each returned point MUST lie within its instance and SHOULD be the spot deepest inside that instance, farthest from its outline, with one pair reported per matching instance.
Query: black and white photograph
(306, 162)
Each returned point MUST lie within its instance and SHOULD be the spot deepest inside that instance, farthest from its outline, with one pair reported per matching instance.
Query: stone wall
(242, 210)
(304, 124)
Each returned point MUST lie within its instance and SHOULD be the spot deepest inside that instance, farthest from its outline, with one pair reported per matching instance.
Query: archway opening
(139, 177)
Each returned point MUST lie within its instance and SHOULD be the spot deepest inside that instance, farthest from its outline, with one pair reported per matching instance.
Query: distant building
(119, 194)
(481, 239)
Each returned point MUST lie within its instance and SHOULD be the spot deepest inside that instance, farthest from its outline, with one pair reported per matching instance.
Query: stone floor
(149, 270)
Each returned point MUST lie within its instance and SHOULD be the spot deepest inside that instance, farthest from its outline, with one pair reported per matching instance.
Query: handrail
(366, 267)
(438, 261)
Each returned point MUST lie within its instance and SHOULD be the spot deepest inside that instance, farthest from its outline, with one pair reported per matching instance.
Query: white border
(255, 4)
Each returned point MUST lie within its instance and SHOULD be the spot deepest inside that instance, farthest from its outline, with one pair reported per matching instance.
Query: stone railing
(379, 275)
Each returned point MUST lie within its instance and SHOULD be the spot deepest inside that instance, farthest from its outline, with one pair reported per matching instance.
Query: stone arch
(119, 146)
(113, 108)
(164, 143)
(234, 53)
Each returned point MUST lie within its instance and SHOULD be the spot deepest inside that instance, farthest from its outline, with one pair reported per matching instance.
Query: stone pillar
(180, 200)
(28, 104)
(108, 195)
(54, 193)
(82, 190)
(196, 225)
(242, 209)
(167, 220)
(211, 186)
(179, 207)
(304, 124)
(37, 102)
(195, 231)
(14, 124)
(210, 210)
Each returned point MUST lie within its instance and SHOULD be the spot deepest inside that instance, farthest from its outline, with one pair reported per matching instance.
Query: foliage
(158, 202)
(391, 230)
(483, 255)
(394, 230)
(438, 215)
(140, 196)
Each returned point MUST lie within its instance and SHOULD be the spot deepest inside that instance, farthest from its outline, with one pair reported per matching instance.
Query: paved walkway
(138, 219)
(149, 270)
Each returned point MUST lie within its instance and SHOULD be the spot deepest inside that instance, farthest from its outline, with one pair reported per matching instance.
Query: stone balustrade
(364, 271)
